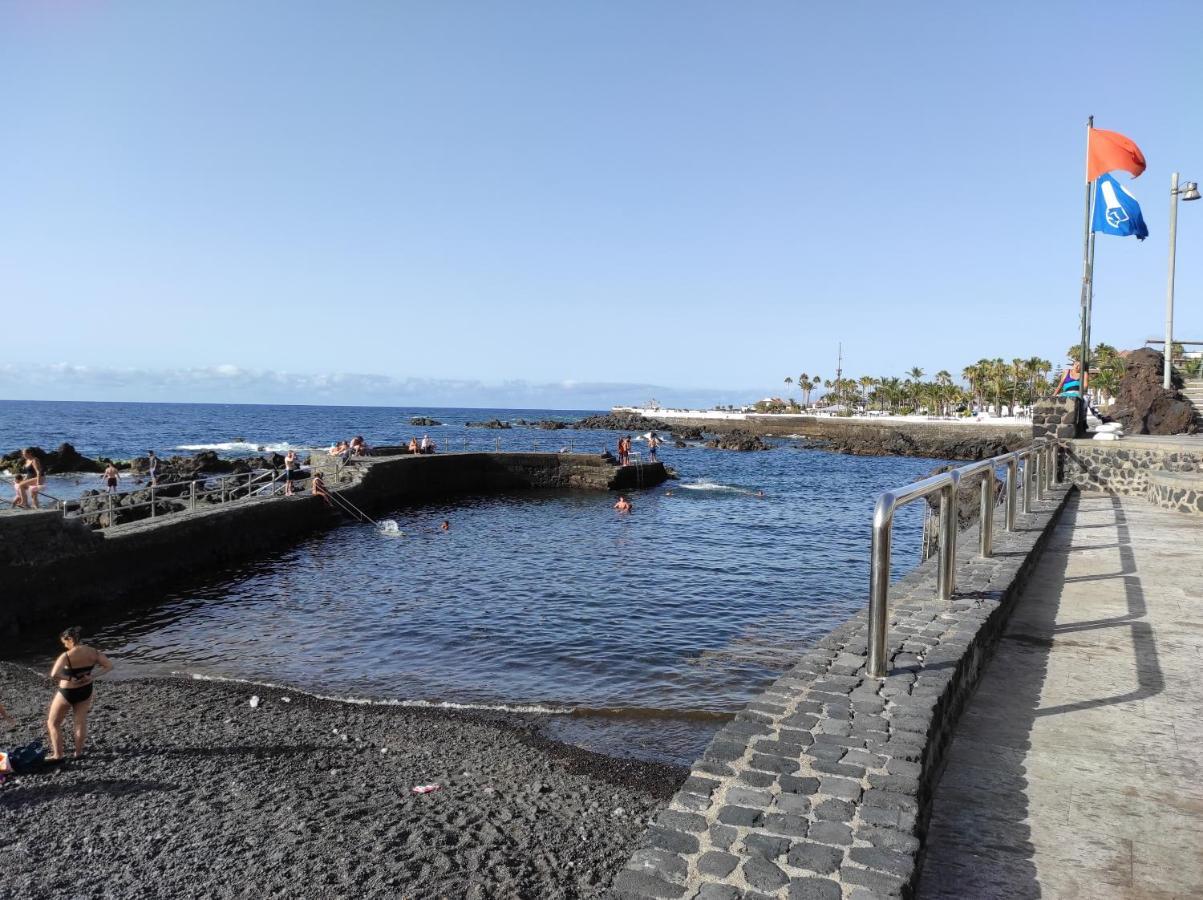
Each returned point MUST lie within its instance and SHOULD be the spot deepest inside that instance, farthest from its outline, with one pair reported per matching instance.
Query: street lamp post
(1188, 191)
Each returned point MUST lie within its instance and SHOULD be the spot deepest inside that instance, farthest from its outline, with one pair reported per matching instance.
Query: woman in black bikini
(73, 671)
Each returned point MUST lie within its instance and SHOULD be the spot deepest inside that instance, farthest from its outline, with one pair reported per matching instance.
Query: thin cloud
(228, 383)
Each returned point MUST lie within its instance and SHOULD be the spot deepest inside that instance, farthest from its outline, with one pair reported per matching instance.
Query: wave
(243, 447)
(535, 708)
(544, 709)
(715, 487)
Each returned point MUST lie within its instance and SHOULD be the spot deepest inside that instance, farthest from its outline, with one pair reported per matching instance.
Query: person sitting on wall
(338, 449)
(1071, 384)
(358, 447)
(318, 489)
(413, 445)
(427, 445)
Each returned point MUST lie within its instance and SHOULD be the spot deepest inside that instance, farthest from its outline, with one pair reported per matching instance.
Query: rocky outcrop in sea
(738, 440)
(64, 459)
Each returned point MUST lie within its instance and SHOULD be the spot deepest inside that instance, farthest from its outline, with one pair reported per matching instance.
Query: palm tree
(999, 371)
(891, 390)
(815, 381)
(788, 382)
(1019, 373)
(914, 375)
(1036, 368)
(867, 382)
(804, 387)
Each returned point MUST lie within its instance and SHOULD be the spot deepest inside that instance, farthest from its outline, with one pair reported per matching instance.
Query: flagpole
(1087, 261)
(1090, 295)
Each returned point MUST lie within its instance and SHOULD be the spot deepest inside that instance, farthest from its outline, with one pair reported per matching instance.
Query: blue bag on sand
(28, 757)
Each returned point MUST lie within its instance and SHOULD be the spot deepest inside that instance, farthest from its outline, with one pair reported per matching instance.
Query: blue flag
(1116, 211)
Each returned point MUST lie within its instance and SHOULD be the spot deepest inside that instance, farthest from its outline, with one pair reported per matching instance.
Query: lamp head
(1190, 191)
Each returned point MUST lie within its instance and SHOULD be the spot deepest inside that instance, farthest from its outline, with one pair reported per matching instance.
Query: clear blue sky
(690, 195)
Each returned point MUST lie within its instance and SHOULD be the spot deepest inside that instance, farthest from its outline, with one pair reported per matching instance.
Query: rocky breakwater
(64, 459)
(496, 424)
(938, 439)
(966, 442)
(738, 440)
(1142, 405)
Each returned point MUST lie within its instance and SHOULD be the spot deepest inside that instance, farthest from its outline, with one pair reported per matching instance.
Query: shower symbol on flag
(1116, 214)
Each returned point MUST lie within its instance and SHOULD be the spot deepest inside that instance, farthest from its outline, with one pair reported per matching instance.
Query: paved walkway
(1077, 769)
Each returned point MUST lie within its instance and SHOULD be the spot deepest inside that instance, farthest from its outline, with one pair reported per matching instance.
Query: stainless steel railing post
(192, 496)
(1039, 460)
(152, 499)
(1012, 478)
(985, 543)
(110, 505)
(879, 584)
(946, 580)
(1027, 480)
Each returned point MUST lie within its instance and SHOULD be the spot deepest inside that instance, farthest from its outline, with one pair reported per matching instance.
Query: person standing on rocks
(152, 467)
(111, 476)
(653, 441)
(292, 468)
(73, 671)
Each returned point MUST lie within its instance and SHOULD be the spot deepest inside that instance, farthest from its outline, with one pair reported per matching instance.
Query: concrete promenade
(1077, 767)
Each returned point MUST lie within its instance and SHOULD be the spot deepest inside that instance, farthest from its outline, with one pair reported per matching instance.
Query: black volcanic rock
(738, 440)
(64, 459)
(622, 422)
(1142, 405)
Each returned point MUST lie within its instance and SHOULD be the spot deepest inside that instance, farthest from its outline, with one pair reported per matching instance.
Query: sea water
(636, 633)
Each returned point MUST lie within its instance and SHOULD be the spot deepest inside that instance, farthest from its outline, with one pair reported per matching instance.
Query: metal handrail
(228, 485)
(1039, 472)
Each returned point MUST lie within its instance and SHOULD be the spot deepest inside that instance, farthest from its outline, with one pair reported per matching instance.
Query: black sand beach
(188, 791)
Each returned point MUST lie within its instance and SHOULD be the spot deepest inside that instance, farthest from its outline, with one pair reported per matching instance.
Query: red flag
(1109, 150)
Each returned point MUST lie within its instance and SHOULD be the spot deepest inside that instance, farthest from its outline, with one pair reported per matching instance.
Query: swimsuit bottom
(75, 695)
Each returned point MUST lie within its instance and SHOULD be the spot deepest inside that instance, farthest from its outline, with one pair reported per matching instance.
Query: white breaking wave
(243, 447)
(714, 486)
(390, 527)
(367, 701)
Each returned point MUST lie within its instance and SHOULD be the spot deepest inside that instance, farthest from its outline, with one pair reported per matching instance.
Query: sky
(483, 203)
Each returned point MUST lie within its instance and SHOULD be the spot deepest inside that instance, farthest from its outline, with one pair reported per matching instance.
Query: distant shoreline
(712, 415)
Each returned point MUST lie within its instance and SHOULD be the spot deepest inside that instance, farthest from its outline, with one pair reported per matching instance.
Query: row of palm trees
(996, 382)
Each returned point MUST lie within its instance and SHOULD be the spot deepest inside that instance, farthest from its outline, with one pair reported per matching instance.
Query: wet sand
(187, 791)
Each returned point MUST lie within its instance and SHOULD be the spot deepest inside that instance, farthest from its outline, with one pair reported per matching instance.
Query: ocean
(634, 634)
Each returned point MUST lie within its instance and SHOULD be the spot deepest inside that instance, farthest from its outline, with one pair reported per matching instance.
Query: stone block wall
(822, 786)
(1124, 466)
(1182, 491)
(1063, 418)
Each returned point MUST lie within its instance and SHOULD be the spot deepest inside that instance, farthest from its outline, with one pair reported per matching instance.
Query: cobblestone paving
(819, 788)
(1077, 768)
